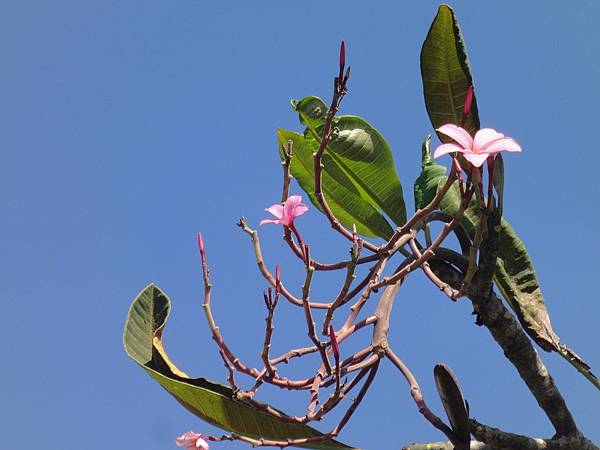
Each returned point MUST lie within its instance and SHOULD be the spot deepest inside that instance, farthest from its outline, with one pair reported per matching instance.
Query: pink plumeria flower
(192, 441)
(286, 214)
(487, 142)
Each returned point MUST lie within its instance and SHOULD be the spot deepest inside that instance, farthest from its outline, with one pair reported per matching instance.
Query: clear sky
(127, 126)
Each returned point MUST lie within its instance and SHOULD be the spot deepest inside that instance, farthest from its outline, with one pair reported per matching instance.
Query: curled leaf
(212, 402)
(453, 402)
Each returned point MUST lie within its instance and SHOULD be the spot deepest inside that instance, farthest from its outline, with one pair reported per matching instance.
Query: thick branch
(517, 347)
(475, 445)
(496, 439)
(509, 441)
(510, 336)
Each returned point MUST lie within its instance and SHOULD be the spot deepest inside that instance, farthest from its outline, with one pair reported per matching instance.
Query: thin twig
(417, 395)
(271, 302)
(339, 299)
(310, 323)
(265, 272)
(452, 293)
(339, 90)
(430, 251)
(420, 214)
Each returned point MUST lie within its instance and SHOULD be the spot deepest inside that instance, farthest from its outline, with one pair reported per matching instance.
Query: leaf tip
(426, 159)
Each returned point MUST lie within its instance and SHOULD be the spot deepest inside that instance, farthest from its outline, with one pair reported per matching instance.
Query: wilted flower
(487, 142)
(192, 441)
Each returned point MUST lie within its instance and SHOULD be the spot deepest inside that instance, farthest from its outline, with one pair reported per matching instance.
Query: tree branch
(475, 445)
(509, 441)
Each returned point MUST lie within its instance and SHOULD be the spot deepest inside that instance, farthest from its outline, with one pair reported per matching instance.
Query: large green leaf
(210, 401)
(515, 274)
(361, 153)
(446, 73)
(340, 192)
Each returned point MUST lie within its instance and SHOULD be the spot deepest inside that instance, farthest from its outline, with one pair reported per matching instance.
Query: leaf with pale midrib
(212, 402)
(362, 153)
(341, 194)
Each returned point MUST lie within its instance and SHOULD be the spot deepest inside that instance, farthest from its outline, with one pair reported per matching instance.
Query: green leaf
(446, 73)
(517, 281)
(210, 401)
(341, 194)
(362, 153)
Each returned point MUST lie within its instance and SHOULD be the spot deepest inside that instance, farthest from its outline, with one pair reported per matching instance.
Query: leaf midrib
(348, 172)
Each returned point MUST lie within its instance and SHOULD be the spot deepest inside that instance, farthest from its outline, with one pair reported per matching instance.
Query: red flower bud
(334, 343)
(467, 106)
(277, 279)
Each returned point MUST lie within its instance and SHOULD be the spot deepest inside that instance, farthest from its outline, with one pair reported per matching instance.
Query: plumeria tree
(345, 167)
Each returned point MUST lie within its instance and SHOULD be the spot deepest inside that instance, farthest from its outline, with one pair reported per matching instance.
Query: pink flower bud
(200, 243)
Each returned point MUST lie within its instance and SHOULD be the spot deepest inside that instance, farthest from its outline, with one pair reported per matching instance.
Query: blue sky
(126, 127)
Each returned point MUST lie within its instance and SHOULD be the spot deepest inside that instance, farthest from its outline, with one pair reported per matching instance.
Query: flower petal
(299, 210)
(477, 159)
(290, 204)
(277, 210)
(508, 144)
(459, 134)
(264, 221)
(201, 443)
(485, 137)
(444, 149)
(186, 439)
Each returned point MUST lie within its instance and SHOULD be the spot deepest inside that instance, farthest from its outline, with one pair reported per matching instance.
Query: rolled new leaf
(453, 402)
(212, 402)
(426, 184)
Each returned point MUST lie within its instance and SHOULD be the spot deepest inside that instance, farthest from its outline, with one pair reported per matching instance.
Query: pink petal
(447, 148)
(477, 159)
(500, 145)
(299, 210)
(290, 205)
(459, 134)
(277, 210)
(201, 443)
(264, 221)
(186, 439)
(485, 137)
